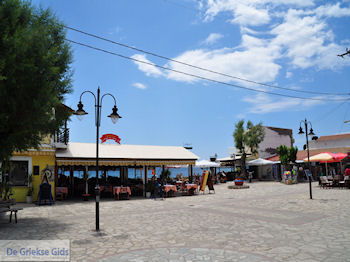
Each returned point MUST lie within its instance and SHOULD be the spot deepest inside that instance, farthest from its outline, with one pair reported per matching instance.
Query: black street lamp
(307, 134)
(114, 117)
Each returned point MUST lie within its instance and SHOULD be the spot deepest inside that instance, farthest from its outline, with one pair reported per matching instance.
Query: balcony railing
(62, 136)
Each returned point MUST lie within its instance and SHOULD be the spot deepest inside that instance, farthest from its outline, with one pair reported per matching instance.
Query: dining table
(190, 188)
(117, 190)
(169, 190)
(106, 188)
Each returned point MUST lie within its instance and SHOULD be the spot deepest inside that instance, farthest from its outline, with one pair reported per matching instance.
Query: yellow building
(35, 163)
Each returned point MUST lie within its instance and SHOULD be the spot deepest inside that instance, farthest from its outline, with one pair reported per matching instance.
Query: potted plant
(239, 182)
(239, 179)
(29, 195)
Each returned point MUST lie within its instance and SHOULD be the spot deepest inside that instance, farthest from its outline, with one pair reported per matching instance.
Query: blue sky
(290, 43)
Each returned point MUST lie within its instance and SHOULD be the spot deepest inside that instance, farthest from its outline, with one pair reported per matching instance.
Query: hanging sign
(106, 137)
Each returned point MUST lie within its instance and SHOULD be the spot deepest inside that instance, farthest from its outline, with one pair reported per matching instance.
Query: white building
(332, 143)
(274, 137)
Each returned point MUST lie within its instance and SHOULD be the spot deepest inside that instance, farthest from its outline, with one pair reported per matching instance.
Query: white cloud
(255, 63)
(139, 85)
(252, 13)
(300, 36)
(249, 15)
(295, 3)
(212, 38)
(306, 41)
(332, 10)
(292, 33)
(243, 13)
(263, 104)
(148, 69)
(299, 30)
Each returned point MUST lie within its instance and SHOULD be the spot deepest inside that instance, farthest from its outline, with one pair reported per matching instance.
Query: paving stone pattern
(267, 222)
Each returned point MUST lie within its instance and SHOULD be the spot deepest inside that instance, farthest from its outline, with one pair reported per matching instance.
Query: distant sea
(137, 173)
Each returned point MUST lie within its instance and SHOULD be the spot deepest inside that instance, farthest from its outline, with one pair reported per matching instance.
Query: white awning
(260, 162)
(206, 163)
(126, 152)
(229, 158)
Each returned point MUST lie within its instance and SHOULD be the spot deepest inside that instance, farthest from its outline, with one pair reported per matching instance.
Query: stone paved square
(267, 222)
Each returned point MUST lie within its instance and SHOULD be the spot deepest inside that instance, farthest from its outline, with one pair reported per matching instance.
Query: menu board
(204, 180)
(308, 173)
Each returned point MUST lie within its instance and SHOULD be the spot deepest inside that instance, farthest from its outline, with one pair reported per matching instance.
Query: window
(18, 173)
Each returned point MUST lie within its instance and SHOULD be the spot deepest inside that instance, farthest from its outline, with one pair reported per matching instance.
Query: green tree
(247, 139)
(287, 155)
(35, 75)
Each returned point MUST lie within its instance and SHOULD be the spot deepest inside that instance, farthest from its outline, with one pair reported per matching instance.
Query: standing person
(250, 176)
(161, 188)
(332, 171)
(155, 187)
(301, 173)
(294, 173)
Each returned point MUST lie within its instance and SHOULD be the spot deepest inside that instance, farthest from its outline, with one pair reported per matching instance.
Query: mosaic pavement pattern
(267, 222)
(185, 254)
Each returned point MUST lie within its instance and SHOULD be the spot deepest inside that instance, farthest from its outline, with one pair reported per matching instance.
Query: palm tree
(247, 139)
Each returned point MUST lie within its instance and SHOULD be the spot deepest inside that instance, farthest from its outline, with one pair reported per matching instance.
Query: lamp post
(307, 134)
(114, 117)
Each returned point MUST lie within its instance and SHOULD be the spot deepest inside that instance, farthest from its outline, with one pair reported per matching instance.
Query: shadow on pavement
(31, 228)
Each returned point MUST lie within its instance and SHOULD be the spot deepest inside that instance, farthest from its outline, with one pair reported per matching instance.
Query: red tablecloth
(118, 189)
(106, 189)
(189, 186)
(167, 188)
(63, 190)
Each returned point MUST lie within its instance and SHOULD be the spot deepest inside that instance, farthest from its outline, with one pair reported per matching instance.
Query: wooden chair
(324, 183)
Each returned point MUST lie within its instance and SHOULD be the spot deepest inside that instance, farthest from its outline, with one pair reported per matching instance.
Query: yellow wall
(41, 160)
